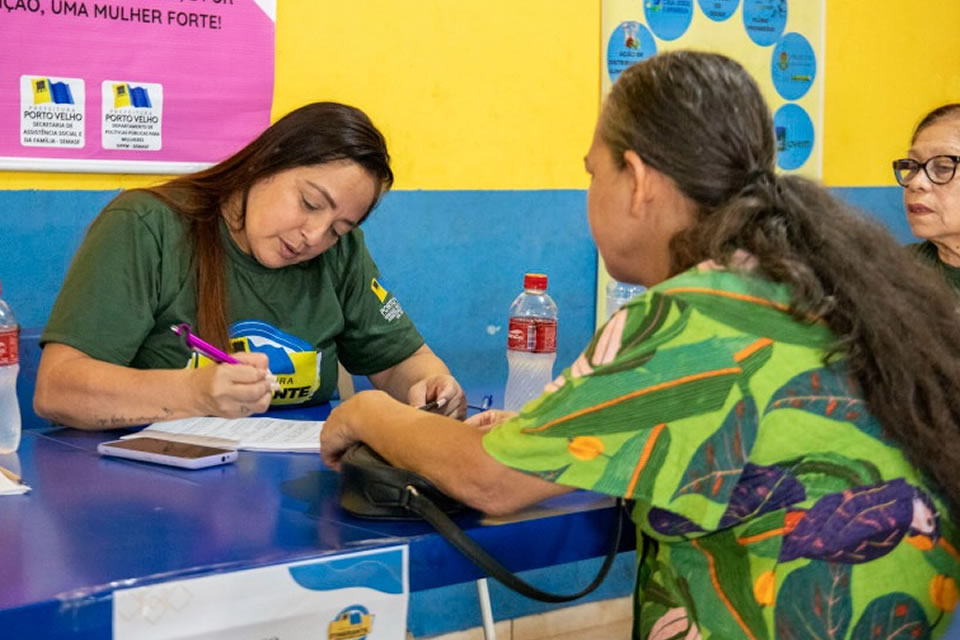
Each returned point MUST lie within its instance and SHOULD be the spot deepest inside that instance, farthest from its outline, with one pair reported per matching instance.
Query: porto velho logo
(125, 95)
(353, 623)
(47, 92)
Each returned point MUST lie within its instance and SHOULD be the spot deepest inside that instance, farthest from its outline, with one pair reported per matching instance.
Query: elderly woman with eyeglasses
(930, 192)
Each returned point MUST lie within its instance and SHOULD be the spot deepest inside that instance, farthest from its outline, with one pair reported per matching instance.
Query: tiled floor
(604, 620)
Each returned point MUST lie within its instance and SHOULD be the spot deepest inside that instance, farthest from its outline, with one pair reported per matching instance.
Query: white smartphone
(177, 454)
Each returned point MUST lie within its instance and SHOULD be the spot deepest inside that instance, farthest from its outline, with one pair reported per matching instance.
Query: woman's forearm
(79, 391)
(449, 453)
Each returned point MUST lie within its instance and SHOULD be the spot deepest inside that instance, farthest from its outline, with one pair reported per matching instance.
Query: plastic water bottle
(531, 342)
(619, 294)
(9, 368)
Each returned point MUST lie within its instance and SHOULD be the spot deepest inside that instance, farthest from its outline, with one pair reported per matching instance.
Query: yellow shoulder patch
(380, 292)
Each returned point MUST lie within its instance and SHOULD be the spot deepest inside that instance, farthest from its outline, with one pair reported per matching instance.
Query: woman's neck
(948, 250)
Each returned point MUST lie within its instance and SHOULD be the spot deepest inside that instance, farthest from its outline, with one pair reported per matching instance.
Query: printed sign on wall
(132, 86)
(780, 42)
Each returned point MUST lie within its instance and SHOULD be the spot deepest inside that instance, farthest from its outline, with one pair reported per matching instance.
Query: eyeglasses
(939, 169)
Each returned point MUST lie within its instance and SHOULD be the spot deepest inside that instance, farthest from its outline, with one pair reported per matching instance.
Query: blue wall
(448, 255)
(884, 203)
(455, 259)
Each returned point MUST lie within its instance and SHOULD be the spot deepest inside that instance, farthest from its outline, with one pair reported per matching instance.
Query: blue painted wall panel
(39, 233)
(884, 203)
(455, 259)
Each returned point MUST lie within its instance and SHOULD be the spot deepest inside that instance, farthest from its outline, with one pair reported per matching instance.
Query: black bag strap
(425, 508)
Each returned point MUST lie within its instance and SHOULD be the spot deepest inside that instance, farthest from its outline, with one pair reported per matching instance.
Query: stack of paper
(251, 434)
(11, 484)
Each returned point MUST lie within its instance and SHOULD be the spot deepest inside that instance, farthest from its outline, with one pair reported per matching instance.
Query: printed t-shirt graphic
(293, 361)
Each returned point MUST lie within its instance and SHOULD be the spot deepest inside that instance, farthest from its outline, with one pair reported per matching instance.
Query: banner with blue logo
(133, 86)
(354, 596)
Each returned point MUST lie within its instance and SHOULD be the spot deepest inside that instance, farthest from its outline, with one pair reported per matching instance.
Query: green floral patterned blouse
(775, 505)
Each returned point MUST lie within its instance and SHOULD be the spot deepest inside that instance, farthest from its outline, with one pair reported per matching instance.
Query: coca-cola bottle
(531, 342)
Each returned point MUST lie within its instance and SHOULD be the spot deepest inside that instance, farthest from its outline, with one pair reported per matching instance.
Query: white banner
(344, 597)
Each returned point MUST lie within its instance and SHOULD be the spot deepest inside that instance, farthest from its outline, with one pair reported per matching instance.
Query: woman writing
(781, 404)
(263, 256)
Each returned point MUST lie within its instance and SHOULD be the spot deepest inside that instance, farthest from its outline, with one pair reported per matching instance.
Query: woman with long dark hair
(263, 256)
(781, 406)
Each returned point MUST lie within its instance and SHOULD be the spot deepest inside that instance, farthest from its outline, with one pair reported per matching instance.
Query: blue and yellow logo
(295, 362)
(353, 623)
(126, 96)
(46, 92)
(378, 289)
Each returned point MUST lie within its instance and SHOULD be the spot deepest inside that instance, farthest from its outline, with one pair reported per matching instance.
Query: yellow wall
(502, 94)
(888, 63)
(492, 94)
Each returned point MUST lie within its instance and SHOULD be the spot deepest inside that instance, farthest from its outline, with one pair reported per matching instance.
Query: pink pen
(201, 346)
(205, 348)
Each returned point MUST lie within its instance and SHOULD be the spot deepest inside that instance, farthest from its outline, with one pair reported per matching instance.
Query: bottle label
(9, 346)
(536, 335)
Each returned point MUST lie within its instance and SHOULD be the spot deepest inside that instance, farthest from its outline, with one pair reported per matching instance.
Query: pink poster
(132, 86)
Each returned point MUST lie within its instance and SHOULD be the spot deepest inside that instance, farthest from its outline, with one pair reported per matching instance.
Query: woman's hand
(442, 389)
(489, 419)
(420, 379)
(234, 390)
(339, 430)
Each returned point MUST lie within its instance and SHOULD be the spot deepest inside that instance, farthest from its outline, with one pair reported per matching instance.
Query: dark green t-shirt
(928, 254)
(132, 278)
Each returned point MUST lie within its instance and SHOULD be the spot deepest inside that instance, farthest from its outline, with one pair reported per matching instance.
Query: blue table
(92, 525)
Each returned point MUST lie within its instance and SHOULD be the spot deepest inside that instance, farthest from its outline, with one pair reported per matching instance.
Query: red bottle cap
(535, 281)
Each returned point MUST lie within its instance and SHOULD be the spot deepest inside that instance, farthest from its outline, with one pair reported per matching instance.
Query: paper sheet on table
(250, 434)
(10, 485)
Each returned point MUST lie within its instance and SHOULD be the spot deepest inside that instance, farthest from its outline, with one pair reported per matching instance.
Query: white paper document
(250, 434)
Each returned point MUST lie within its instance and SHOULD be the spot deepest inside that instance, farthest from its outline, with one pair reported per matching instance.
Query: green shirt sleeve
(107, 303)
(377, 333)
(658, 409)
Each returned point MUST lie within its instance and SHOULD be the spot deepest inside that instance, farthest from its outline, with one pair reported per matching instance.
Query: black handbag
(370, 487)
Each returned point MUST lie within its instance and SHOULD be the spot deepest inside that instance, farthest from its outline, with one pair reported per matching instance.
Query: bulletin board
(780, 42)
(132, 86)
